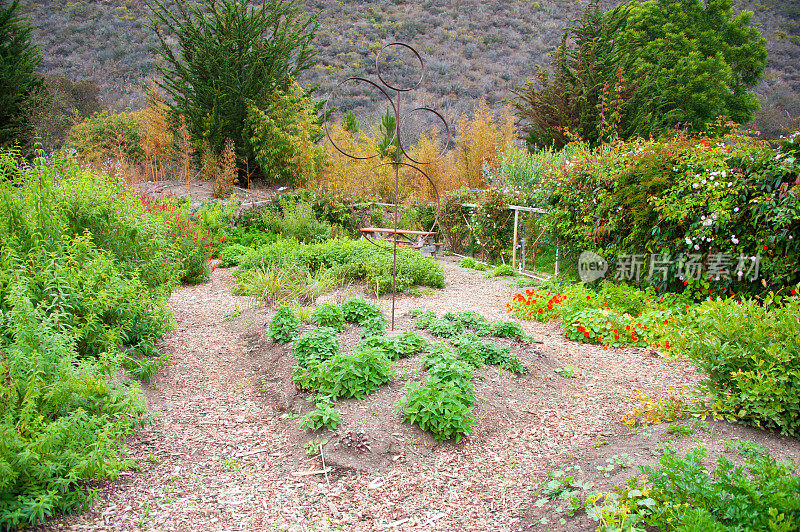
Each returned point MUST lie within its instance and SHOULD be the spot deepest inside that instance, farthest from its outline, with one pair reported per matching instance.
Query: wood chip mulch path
(219, 456)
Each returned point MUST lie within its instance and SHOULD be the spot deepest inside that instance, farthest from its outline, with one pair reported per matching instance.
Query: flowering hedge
(731, 197)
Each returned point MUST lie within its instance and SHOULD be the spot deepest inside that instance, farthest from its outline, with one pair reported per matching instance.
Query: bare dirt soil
(225, 451)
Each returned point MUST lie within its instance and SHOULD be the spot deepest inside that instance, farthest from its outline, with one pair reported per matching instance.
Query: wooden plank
(398, 231)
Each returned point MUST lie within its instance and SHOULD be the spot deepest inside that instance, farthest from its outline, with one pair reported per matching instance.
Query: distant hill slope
(473, 48)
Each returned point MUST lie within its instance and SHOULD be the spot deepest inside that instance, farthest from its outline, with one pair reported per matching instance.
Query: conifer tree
(18, 81)
(229, 54)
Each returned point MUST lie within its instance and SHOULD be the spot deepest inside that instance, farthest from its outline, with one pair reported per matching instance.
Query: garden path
(220, 457)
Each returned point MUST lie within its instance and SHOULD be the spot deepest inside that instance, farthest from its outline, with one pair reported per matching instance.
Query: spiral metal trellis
(384, 88)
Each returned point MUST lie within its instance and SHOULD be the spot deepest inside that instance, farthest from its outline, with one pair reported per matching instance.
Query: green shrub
(231, 255)
(358, 309)
(376, 325)
(325, 415)
(355, 374)
(328, 315)
(85, 269)
(503, 270)
(106, 135)
(681, 494)
(313, 347)
(284, 325)
(508, 329)
(467, 262)
(441, 407)
(751, 358)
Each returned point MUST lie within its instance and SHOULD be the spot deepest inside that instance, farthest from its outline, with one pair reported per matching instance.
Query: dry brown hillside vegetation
(473, 48)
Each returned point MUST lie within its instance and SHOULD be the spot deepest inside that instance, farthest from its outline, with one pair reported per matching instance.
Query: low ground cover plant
(680, 493)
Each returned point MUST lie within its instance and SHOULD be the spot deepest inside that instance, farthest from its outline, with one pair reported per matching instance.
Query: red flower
(704, 143)
(627, 327)
(588, 298)
(766, 247)
(541, 310)
(793, 291)
(616, 337)
(586, 334)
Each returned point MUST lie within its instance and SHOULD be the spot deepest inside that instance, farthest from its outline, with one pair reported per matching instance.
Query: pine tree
(229, 53)
(18, 81)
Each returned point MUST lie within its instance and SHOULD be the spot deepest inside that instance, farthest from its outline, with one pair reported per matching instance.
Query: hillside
(473, 48)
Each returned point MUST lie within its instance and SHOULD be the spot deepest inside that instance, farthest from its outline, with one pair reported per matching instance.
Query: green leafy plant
(441, 407)
(567, 371)
(325, 415)
(467, 262)
(355, 374)
(358, 310)
(313, 347)
(328, 315)
(681, 492)
(508, 329)
(374, 326)
(314, 447)
(230, 255)
(503, 270)
(284, 325)
(751, 357)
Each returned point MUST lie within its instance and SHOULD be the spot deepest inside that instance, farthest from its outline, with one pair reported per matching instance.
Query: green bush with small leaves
(284, 325)
(355, 374)
(325, 415)
(441, 407)
(231, 255)
(508, 329)
(467, 262)
(358, 310)
(313, 347)
(328, 315)
(374, 326)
